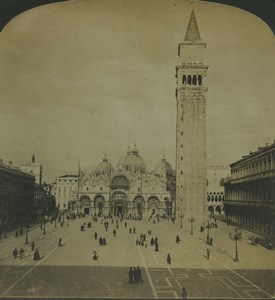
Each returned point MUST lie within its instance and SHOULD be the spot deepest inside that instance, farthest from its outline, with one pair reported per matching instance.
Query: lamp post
(27, 234)
(55, 220)
(191, 220)
(207, 237)
(181, 220)
(236, 237)
(44, 229)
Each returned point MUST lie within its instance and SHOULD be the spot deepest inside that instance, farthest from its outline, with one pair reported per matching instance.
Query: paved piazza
(69, 271)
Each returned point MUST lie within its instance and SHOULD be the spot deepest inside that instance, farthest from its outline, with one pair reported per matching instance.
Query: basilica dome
(132, 161)
(163, 167)
(104, 167)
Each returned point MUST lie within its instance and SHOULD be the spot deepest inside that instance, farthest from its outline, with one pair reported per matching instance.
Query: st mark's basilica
(127, 188)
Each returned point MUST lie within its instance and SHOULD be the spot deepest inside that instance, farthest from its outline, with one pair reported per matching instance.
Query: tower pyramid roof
(192, 32)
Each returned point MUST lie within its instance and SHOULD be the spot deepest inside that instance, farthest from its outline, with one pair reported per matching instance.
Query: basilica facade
(127, 188)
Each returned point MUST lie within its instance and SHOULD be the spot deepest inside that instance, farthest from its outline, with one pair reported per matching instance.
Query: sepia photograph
(137, 156)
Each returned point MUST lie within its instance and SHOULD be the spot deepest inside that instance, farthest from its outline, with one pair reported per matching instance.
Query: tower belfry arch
(191, 165)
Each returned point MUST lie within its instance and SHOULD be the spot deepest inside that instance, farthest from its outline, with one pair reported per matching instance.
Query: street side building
(215, 188)
(16, 197)
(250, 191)
(33, 168)
(191, 159)
(65, 190)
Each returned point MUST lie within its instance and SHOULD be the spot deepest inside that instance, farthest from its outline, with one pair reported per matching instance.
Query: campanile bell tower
(191, 164)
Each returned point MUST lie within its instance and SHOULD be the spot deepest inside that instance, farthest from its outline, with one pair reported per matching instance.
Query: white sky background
(81, 78)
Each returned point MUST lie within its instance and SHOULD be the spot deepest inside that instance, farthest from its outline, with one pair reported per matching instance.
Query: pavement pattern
(69, 271)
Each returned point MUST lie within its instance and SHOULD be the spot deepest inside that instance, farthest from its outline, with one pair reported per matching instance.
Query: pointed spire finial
(192, 32)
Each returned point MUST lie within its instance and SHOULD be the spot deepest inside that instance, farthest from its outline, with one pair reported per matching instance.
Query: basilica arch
(99, 204)
(154, 205)
(85, 204)
(139, 205)
(119, 203)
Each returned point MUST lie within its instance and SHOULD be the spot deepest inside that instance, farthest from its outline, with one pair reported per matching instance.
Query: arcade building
(127, 188)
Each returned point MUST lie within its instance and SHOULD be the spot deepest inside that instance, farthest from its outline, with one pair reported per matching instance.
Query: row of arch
(217, 209)
(192, 79)
(100, 198)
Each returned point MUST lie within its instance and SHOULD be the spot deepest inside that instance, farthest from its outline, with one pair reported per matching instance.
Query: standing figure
(114, 232)
(95, 255)
(131, 276)
(15, 252)
(21, 252)
(156, 247)
(60, 242)
(211, 241)
(183, 293)
(32, 245)
(36, 255)
(152, 242)
(139, 277)
(134, 230)
(177, 239)
(95, 235)
(169, 259)
(130, 230)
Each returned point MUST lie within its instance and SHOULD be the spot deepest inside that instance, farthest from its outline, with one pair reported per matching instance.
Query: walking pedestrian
(130, 230)
(95, 235)
(60, 242)
(169, 260)
(114, 232)
(208, 253)
(177, 239)
(125, 224)
(100, 241)
(152, 242)
(134, 230)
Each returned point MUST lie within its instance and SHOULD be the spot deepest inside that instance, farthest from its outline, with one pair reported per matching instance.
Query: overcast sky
(82, 78)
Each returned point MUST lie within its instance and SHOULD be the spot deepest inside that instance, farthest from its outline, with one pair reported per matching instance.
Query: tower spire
(192, 32)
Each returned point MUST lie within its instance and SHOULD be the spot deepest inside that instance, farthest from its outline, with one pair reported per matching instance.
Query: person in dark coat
(135, 275)
(138, 277)
(131, 276)
(177, 239)
(134, 230)
(100, 241)
(15, 252)
(156, 247)
(130, 230)
(36, 255)
(169, 260)
(95, 235)
(95, 255)
(183, 293)
(156, 240)
(152, 242)
(211, 241)
(60, 242)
